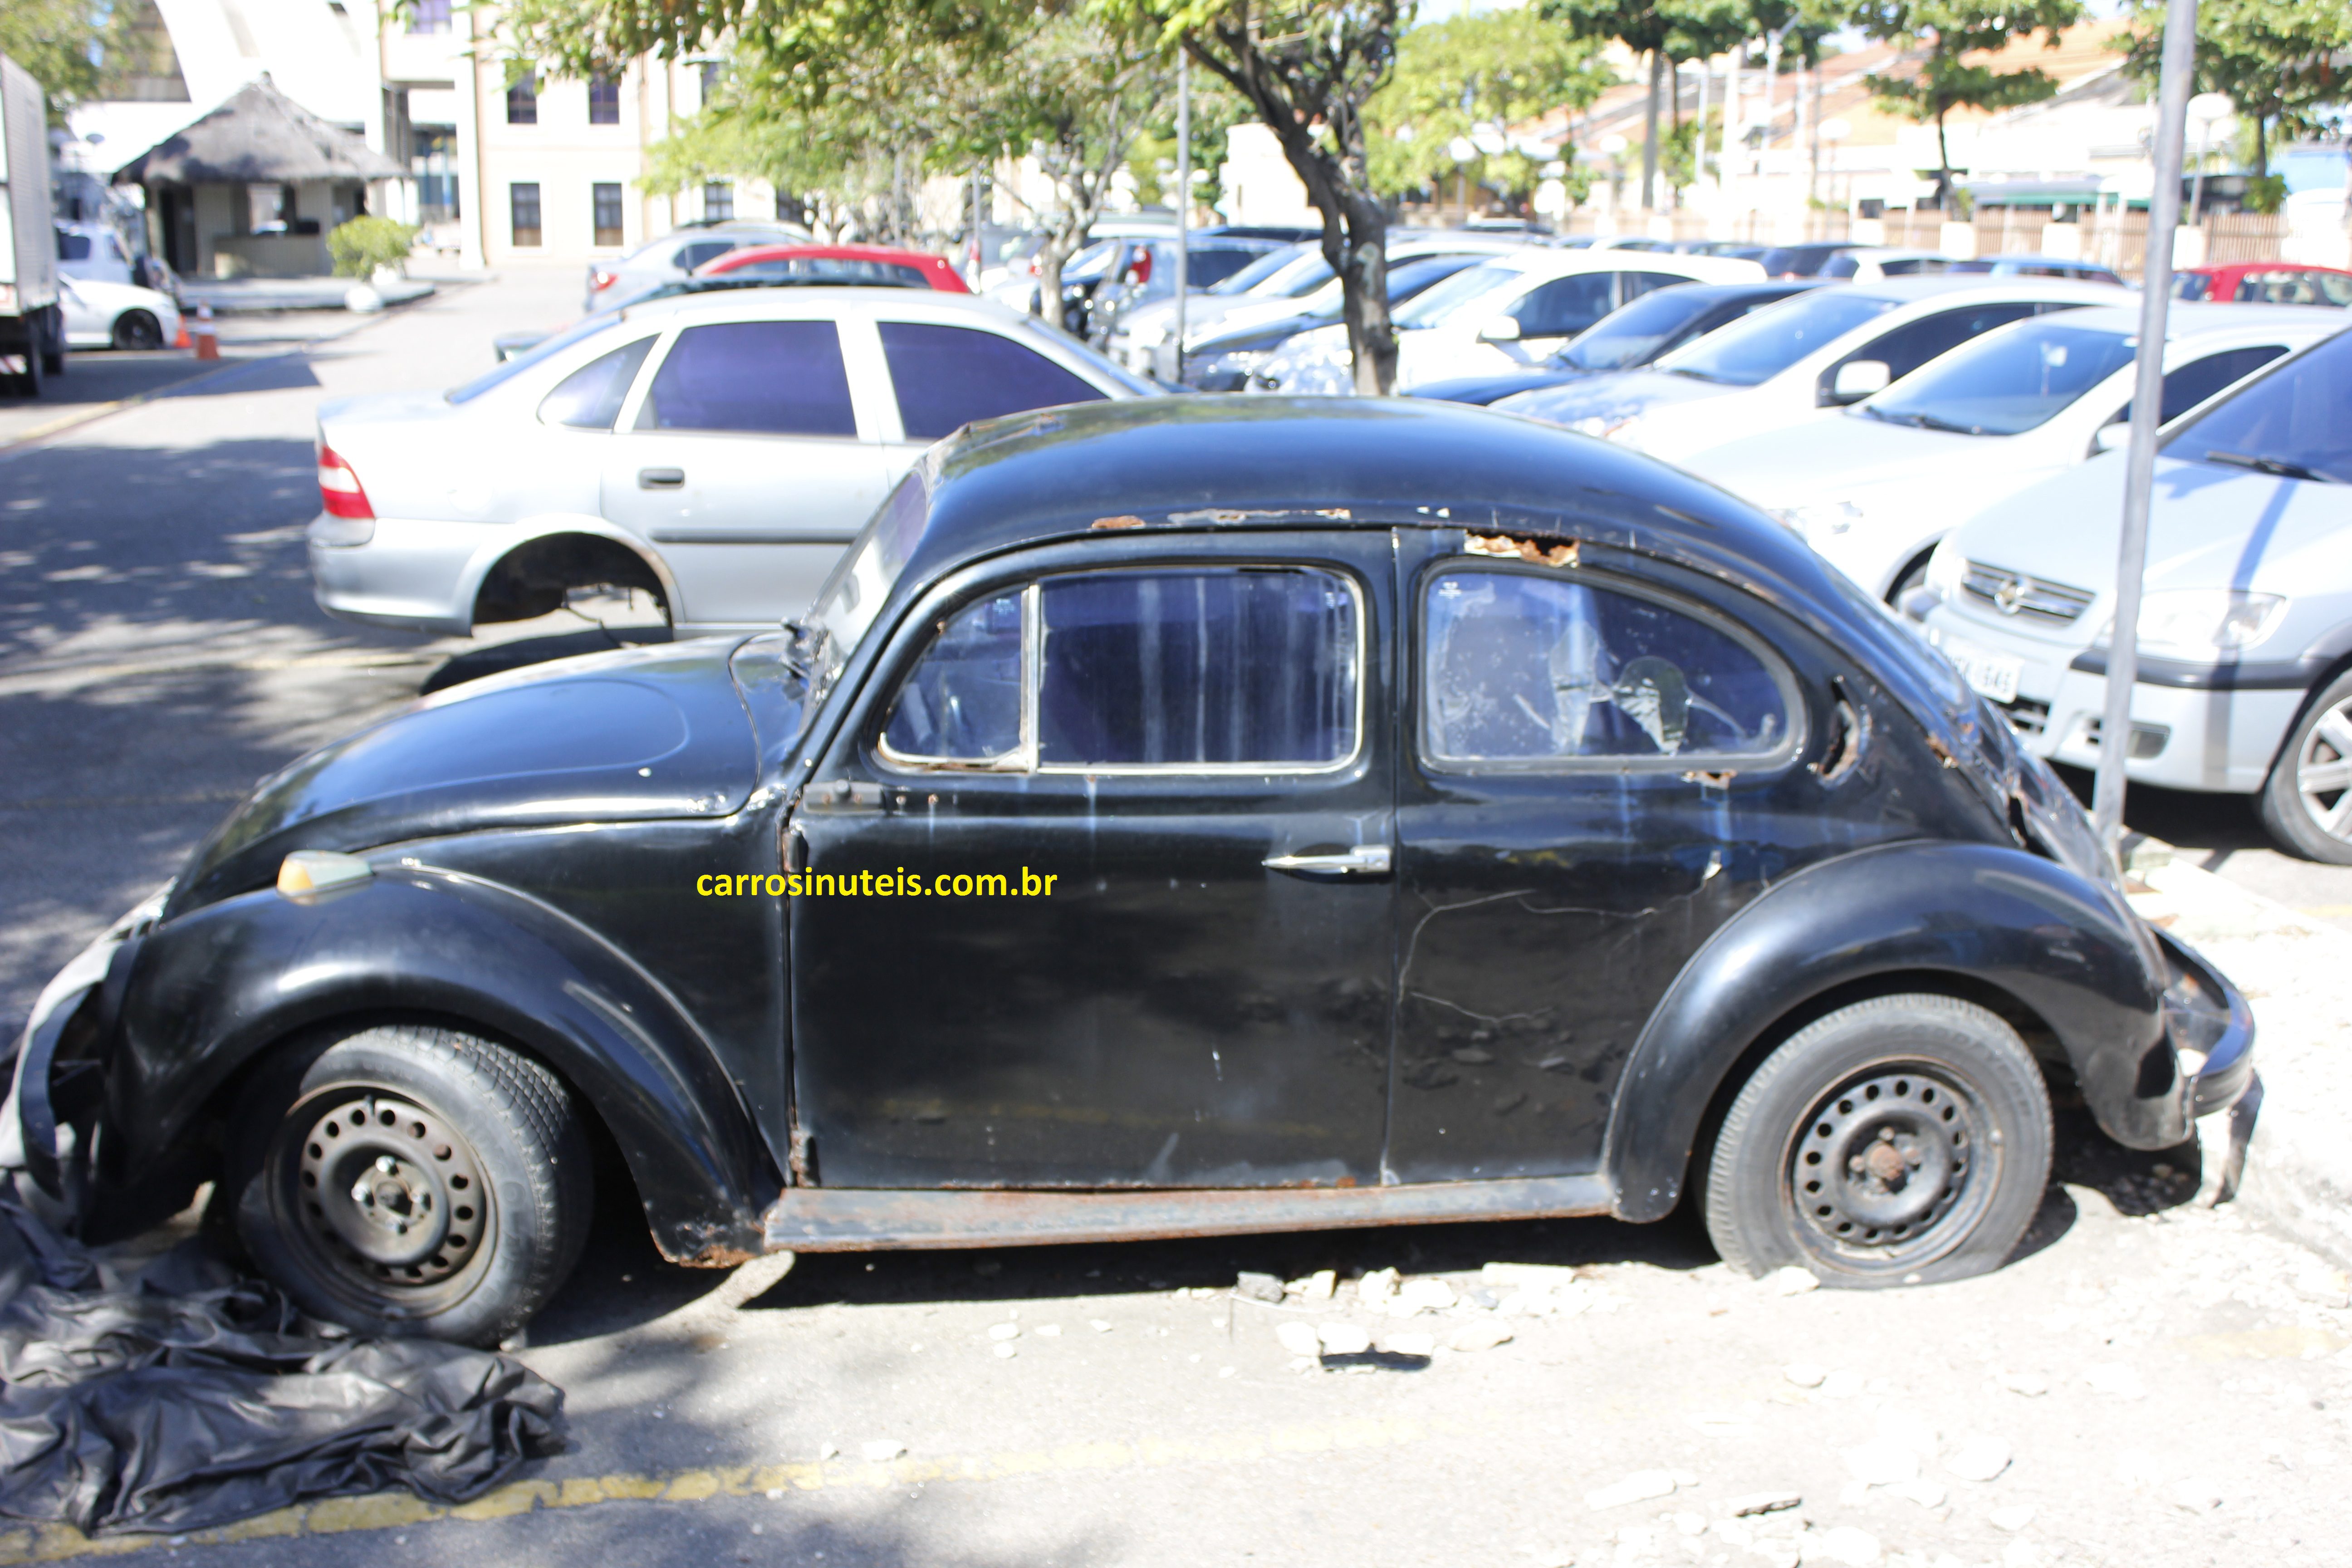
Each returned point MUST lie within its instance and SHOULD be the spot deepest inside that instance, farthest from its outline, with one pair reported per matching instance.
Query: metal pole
(2148, 406)
(1650, 133)
(1183, 196)
(979, 236)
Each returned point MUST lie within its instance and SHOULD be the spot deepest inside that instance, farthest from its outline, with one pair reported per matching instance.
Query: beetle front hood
(627, 736)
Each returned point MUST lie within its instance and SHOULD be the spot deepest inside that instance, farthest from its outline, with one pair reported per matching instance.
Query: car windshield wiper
(2282, 467)
(1924, 422)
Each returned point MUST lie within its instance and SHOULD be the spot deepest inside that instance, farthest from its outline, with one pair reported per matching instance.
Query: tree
(1493, 69)
(2279, 61)
(1668, 31)
(1947, 31)
(64, 43)
(1216, 108)
(1307, 68)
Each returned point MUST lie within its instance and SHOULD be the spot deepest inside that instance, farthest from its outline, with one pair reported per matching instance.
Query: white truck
(32, 326)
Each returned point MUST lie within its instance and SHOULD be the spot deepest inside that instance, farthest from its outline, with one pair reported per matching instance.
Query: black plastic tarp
(177, 1394)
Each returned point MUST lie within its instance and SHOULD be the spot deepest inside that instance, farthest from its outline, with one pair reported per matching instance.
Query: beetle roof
(1237, 462)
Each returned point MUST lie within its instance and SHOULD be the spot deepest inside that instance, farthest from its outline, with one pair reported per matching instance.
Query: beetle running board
(868, 1219)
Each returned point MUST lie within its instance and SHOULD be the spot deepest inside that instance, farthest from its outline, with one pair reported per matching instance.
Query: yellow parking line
(388, 1510)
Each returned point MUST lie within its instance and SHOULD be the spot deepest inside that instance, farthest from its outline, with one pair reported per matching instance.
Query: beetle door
(1601, 771)
(1187, 742)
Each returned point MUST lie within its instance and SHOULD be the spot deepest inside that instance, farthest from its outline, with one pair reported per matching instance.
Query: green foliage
(64, 43)
(1496, 70)
(1948, 31)
(1681, 146)
(366, 243)
(2264, 193)
(2279, 61)
(1216, 108)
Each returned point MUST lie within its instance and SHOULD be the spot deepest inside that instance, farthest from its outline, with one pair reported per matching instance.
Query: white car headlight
(2200, 623)
(1945, 568)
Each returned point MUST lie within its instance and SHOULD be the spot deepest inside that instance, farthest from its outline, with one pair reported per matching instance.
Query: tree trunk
(1650, 136)
(1943, 169)
(2261, 150)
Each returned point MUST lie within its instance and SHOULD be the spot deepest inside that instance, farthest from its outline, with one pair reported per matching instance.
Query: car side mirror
(1857, 379)
(2115, 433)
(1501, 330)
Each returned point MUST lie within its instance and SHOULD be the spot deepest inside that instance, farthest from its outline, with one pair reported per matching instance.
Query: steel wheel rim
(2323, 768)
(1891, 1169)
(385, 1197)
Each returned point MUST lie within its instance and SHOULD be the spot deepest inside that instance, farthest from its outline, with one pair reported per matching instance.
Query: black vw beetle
(1174, 818)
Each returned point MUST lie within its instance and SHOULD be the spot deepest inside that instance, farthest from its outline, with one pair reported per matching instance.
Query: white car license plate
(1991, 673)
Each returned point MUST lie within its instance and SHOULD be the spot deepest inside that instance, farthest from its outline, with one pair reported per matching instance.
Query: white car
(1824, 349)
(1509, 314)
(1874, 487)
(2245, 624)
(711, 452)
(100, 315)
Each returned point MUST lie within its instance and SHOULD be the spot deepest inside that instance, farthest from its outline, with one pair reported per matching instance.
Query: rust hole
(1558, 553)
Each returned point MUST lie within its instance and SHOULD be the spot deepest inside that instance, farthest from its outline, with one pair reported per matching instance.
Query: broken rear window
(1526, 668)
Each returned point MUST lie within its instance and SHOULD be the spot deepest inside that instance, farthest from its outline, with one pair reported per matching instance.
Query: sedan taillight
(339, 486)
(600, 278)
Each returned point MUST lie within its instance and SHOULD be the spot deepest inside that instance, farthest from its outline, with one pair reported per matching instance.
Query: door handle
(661, 478)
(1363, 861)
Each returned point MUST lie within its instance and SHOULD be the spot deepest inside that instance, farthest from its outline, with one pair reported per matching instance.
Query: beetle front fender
(215, 987)
(2068, 949)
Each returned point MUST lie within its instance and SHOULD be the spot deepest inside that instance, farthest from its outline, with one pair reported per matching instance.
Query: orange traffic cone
(207, 341)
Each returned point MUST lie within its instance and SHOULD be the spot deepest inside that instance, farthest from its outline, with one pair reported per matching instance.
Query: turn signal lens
(319, 872)
(339, 486)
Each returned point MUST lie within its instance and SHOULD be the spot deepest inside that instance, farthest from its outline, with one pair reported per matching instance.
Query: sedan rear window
(1749, 352)
(1525, 669)
(590, 398)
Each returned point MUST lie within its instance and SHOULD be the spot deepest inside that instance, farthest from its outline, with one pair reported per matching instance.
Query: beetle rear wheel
(411, 1181)
(1897, 1140)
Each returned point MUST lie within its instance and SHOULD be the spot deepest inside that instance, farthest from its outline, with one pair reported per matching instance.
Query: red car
(2266, 283)
(837, 264)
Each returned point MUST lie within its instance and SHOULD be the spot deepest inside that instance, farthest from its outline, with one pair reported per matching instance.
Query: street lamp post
(1183, 197)
(2146, 410)
(2205, 109)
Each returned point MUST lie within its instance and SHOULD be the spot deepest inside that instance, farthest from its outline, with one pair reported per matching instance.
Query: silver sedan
(708, 455)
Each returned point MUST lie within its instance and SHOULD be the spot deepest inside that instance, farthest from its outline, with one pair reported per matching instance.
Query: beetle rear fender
(1965, 918)
(219, 986)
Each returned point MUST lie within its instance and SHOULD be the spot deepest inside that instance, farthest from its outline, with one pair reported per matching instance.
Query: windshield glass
(1630, 336)
(1748, 352)
(2006, 383)
(1101, 365)
(1407, 279)
(578, 332)
(1428, 310)
(2291, 422)
(1257, 271)
(845, 606)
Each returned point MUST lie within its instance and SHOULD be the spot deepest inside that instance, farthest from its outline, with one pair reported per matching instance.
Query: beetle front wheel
(1898, 1140)
(411, 1181)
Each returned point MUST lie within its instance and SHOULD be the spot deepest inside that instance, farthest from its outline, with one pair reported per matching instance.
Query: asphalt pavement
(2162, 1385)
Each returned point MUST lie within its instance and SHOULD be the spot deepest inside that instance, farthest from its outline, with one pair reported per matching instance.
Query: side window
(1906, 348)
(72, 247)
(1197, 667)
(947, 377)
(691, 256)
(2191, 286)
(1631, 286)
(963, 701)
(590, 398)
(1206, 268)
(1565, 305)
(1526, 669)
(2335, 287)
(770, 378)
(2197, 379)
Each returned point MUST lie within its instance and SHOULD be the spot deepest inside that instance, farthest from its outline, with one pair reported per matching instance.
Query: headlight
(2200, 623)
(1945, 568)
(1817, 520)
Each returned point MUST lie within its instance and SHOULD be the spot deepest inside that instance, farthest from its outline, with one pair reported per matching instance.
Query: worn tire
(468, 1192)
(1899, 1141)
(137, 330)
(2286, 814)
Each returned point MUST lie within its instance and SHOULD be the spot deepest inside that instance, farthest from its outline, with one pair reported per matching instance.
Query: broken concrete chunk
(1926, 1494)
(1479, 1337)
(1298, 1337)
(1317, 1286)
(1978, 1459)
(1426, 1295)
(1410, 1344)
(1791, 1280)
(1376, 1289)
(1004, 1331)
(1882, 1464)
(1763, 1502)
(1528, 1276)
(1803, 1375)
(1257, 1287)
(2012, 1518)
(1006, 1351)
(1640, 1486)
(1342, 1339)
(880, 1449)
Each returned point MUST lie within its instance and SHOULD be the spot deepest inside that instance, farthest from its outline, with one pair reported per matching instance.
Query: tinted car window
(772, 378)
(1207, 268)
(962, 702)
(2290, 286)
(2188, 385)
(2290, 422)
(590, 398)
(946, 377)
(1632, 335)
(2006, 384)
(1519, 668)
(1633, 285)
(1187, 668)
(1748, 352)
(1906, 348)
(2191, 286)
(1564, 305)
(73, 246)
(691, 256)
